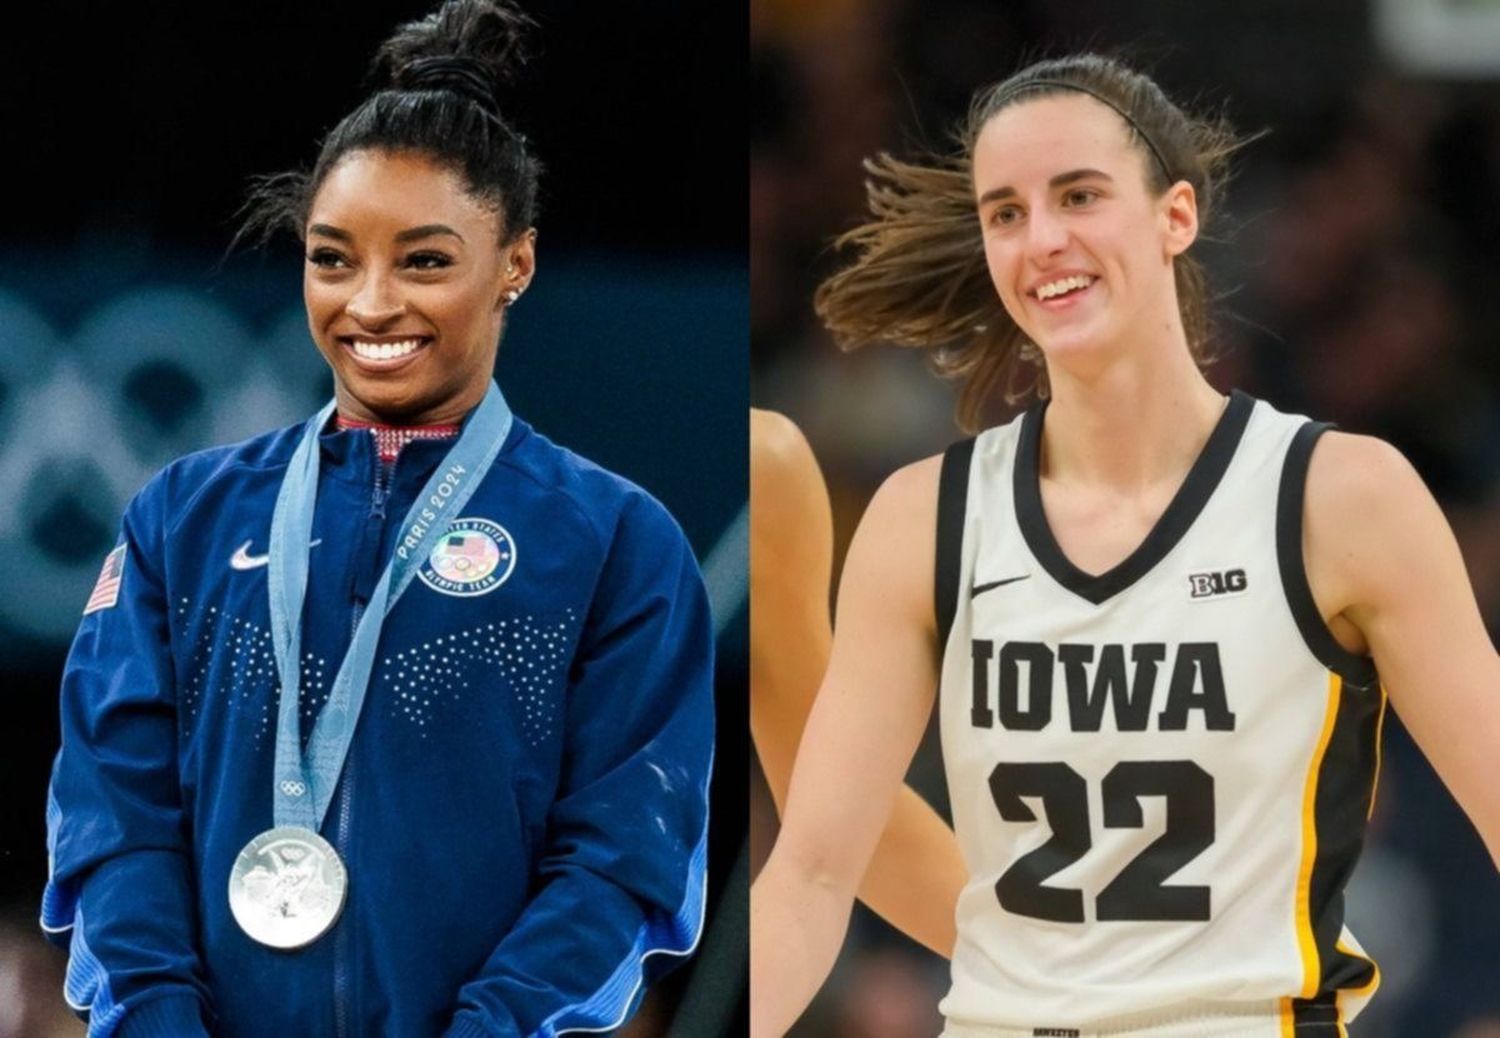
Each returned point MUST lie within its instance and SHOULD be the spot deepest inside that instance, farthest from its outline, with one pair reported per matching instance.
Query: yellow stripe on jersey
(1379, 732)
(1311, 967)
(1288, 1022)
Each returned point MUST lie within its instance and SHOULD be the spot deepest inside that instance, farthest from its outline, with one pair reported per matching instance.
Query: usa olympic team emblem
(475, 556)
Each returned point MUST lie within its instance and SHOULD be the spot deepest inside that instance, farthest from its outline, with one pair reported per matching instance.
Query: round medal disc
(287, 887)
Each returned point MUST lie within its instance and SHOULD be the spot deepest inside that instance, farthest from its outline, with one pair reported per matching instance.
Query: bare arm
(861, 734)
(916, 874)
(1387, 573)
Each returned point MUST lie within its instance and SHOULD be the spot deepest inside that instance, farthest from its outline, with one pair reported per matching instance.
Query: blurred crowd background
(1356, 263)
(128, 337)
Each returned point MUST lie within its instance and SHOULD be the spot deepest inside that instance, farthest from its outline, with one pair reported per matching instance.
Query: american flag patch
(107, 588)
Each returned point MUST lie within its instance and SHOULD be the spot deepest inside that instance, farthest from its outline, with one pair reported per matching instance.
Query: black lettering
(1141, 890)
(1134, 714)
(1038, 710)
(1228, 582)
(1132, 700)
(1022, 888)
(1197, 684)
(980, 715)
(1085, 711)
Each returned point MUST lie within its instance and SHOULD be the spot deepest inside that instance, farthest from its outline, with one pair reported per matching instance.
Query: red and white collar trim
(389, 439)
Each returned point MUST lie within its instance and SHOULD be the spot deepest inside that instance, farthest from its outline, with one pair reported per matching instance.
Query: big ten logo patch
(1218, 583)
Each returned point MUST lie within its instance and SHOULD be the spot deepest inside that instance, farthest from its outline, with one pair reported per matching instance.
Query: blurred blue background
(129, 337)
(1357, 267)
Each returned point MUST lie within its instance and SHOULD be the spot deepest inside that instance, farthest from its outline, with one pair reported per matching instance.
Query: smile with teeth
(1062, 286)
(384, 350)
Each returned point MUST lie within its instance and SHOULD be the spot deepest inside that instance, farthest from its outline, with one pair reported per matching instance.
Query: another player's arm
(1387, 572)
(860, 737)
(916, 874)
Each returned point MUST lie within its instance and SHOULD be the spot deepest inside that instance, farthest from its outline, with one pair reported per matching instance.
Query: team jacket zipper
(384, 477)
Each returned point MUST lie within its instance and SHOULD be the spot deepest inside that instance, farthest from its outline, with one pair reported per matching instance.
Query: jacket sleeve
(119, 887)
(620, 893)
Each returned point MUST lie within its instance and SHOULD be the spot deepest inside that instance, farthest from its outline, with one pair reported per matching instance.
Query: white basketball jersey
(1160, 776)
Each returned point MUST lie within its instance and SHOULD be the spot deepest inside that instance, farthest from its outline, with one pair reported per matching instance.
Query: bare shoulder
(907, 500)
(1371, 523)
(779, 452)
(789, 509)
(1349, 471)
(891, 560)
(1362, 489)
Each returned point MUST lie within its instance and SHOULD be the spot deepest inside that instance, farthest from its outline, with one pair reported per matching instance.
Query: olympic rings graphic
(87, 418)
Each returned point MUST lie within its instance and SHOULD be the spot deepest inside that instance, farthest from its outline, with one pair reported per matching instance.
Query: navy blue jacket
(523, 809)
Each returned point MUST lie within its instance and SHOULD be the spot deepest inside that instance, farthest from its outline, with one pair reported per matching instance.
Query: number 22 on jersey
(1139, 892)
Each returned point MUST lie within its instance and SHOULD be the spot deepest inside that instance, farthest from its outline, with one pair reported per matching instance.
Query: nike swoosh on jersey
(979, 589)
(242, 559)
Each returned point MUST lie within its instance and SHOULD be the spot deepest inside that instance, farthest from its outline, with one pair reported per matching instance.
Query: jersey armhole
(953, 499)
(1356, 670)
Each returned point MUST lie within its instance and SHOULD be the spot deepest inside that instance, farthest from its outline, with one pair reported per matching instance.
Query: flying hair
(918, 276)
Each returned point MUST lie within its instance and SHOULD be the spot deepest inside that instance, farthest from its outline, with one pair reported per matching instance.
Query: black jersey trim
(1344, 779)
(1357, 670)
(1316, 1017)
(953, 500)
(1202, 479)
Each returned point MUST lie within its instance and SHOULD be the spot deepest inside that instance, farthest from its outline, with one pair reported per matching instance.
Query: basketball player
(506, 836)
(1163, 623)
(916, 872)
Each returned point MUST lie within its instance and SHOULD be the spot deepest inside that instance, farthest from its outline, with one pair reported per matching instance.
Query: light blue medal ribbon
(304, 784)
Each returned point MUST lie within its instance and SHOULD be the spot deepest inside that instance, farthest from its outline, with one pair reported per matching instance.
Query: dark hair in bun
(438, 79)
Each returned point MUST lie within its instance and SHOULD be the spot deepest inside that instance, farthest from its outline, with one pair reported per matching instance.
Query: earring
(511, 297)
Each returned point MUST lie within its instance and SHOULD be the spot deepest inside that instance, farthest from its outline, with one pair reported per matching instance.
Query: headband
(1059, 84)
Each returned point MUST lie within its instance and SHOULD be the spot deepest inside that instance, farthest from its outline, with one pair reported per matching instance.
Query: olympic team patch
(474, 557)
(107, 588)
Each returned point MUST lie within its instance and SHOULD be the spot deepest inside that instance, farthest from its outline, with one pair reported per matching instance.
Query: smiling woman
(447, 774)
(407, 282)
(417, 221)
(926, 235)
(1161, 623)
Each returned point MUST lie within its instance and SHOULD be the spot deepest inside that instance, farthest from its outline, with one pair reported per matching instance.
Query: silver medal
(287, 887)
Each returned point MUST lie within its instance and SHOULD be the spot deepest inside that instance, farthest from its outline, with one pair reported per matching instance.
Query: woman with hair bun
(398, 722)
(1161, 623)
